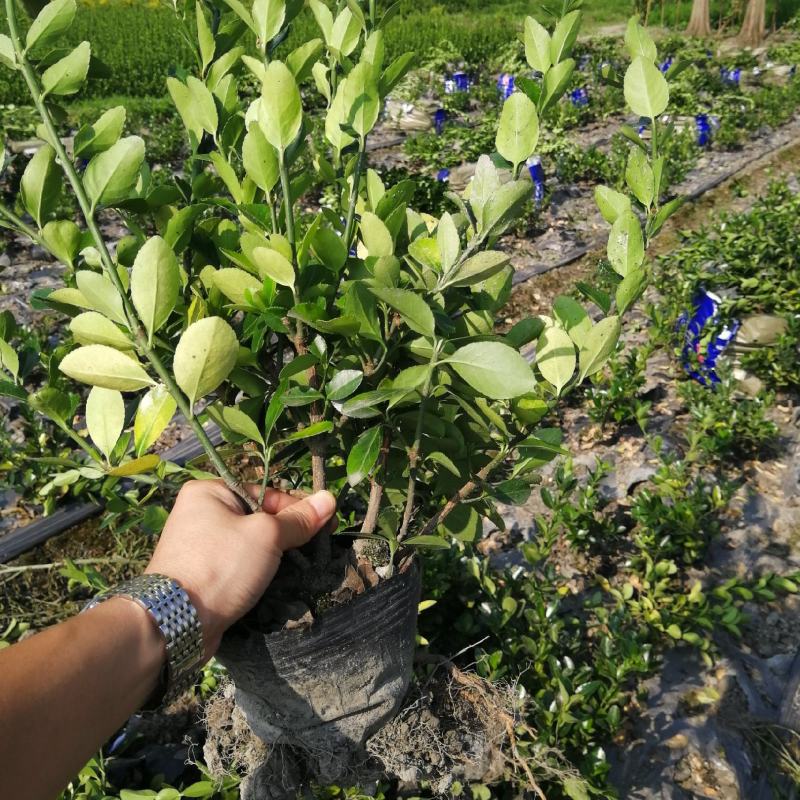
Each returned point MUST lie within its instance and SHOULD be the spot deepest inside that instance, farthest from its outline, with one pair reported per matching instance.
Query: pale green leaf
(8, 56)
(448, 241)
(478, 268)
(518, 131)
(234, 284)
(630, 289)
(100, 135)
(105, 418)
(646, 88)
(362, 103)
(260, 159)
(611, 203)
(626, 244)
(599, 344)
(363, 455)
(101, 294)
(537, 46)
(155, 283)
(205, 356)
(376, 236)
(280, 111)
(112, 174)
(99, 365)
(196, 106)
(271, 264)
(565, 36)
(67, 75)
(638, 41)
(573, 318)
(53, 20)
(234, 418)
(155, 412)
(93, 328)
(639, 177)
(555, 357)
(63, 239)
(268, 17)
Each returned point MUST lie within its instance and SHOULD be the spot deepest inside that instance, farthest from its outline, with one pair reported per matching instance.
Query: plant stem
(350, 224)
(136, 327)
(83, 444)
(462, 494)
(376, 488)
(414, 451)
(23, 227)
(287, 207)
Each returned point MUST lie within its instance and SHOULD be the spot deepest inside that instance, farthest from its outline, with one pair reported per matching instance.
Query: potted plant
(349, 344)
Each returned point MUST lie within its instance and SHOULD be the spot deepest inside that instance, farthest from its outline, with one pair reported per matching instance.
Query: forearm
(67, 689)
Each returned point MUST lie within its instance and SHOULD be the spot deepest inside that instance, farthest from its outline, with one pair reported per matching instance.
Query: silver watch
(176, 618)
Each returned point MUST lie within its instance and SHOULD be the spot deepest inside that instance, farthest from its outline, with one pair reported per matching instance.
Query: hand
(225, 559)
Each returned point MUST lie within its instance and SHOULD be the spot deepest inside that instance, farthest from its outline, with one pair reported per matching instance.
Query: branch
(376, 488)
(135, 324)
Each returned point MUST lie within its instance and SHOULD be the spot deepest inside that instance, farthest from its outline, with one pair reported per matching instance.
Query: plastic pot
(322, 691)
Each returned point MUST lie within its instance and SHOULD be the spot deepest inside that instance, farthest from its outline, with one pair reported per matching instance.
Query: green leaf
(376, 236)
(518, 131)
(63, 239)
(504, 206)
(343, 384)
(598, 346)
(639, 177)
(234, 283)
(483, 186)
(345, 33)
(9, 359)
(99, 365)
(105, 418)
(315, 429)
(281, 111)
(260, 159)
(555, 357)
(8, 56)
(494, 369)
(362, 104)
(414, 311)
(478, 268)
(93, 328)
(239, 422)
(626, 244)
(268, 17)
(555, 83)
(329, 248)
(565, 36)
(448, 241)
(395, 72)
(646, 89)
(297, 365)
(271, 264)
(154, 413)
(67, 75)
(41, 184)
(631, 288)
(639, 42)
(205, 36)
(112, 174)
(363, 455)
(155, 284)
(572, 317)
(575, 789)
(101, 294)
(301, 60)
(537, 46)
(435, 542)
(204, 357)
(195, 104)
(664, 213)
(611, 203)
(53, 20)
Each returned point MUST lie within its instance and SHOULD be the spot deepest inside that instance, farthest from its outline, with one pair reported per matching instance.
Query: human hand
(225, 559)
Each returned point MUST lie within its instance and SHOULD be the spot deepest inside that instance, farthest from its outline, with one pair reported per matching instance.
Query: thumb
(300, 522)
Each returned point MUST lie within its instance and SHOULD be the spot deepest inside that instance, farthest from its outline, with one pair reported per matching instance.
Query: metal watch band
(176, 618)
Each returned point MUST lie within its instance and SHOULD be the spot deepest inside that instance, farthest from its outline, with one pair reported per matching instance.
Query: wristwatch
(170, 607)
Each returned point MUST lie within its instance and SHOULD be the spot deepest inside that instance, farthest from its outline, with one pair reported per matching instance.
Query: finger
(300, 522)
(274, 499)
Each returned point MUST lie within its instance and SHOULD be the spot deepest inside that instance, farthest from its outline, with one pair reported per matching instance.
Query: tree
(700, 20)
(754, 25)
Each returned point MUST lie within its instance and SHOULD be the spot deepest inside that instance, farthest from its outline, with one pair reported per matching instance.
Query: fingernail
(324, 503)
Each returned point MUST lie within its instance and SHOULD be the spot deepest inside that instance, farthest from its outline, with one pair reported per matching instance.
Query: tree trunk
(700, 21)
(753, 27)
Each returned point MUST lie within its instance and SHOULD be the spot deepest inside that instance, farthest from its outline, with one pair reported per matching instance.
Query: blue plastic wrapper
(664, 66)
(505, 85)
(703, 130)
(731, 77)
(579, 97)
(704, 343)
(462, 81)
(439, 119)
(443, 175)
(536, 171)
(449, 86)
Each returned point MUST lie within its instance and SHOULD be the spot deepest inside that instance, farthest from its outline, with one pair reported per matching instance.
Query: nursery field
(527, 303)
